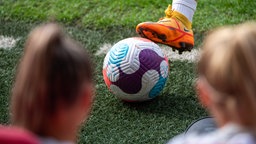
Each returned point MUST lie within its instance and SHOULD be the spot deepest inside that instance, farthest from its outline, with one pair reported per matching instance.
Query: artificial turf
(96, 22)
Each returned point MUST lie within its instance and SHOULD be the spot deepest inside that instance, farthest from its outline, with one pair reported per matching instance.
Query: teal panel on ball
(158, 87)
(117, 53)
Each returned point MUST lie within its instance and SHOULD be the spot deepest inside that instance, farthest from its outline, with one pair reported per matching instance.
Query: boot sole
(184, 46)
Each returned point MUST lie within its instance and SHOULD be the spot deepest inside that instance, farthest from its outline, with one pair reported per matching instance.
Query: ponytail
(51, 72)
(228, 63)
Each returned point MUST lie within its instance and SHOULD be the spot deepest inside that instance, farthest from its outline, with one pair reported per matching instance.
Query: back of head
(228, 63)
(51, 72)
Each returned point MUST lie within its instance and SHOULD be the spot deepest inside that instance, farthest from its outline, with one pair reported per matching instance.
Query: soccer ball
(135, 69)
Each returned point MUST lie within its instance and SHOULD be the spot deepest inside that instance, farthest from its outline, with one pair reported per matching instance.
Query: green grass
(107, 14)
(96, 22)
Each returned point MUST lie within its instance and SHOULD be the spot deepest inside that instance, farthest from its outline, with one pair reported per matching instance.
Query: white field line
(104, 49)
(192, 56)
(7, 42)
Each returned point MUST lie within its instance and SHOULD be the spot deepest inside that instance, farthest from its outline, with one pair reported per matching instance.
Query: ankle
(182, 19)
(185, 7)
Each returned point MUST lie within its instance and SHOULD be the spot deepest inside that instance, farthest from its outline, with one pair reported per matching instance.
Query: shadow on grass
(170, 105)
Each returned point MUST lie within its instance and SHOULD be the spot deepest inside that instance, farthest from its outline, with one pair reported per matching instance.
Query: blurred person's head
(227, 75)
(53, 89)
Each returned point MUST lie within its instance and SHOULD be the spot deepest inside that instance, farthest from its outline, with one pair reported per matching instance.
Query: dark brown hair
(52, 70)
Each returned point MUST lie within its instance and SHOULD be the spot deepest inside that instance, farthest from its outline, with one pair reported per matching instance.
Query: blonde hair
(52, 71)
(228, 63)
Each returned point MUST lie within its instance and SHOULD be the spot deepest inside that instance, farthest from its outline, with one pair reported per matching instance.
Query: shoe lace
(168, 12)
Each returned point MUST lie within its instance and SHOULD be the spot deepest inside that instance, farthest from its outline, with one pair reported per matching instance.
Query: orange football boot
(174, 30)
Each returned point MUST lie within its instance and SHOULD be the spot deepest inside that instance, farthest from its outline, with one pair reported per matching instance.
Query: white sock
(186, 7)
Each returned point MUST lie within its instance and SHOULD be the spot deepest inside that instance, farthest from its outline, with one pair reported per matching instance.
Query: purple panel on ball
(131, 83)
(150, 60)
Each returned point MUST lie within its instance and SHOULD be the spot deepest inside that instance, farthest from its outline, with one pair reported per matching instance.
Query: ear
(203, 93)
(87, 98)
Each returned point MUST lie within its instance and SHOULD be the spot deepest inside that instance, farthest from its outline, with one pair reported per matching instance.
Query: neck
(62, 134)
(61, 131)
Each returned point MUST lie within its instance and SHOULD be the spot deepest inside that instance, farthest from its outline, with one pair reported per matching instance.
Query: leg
(175, 29)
